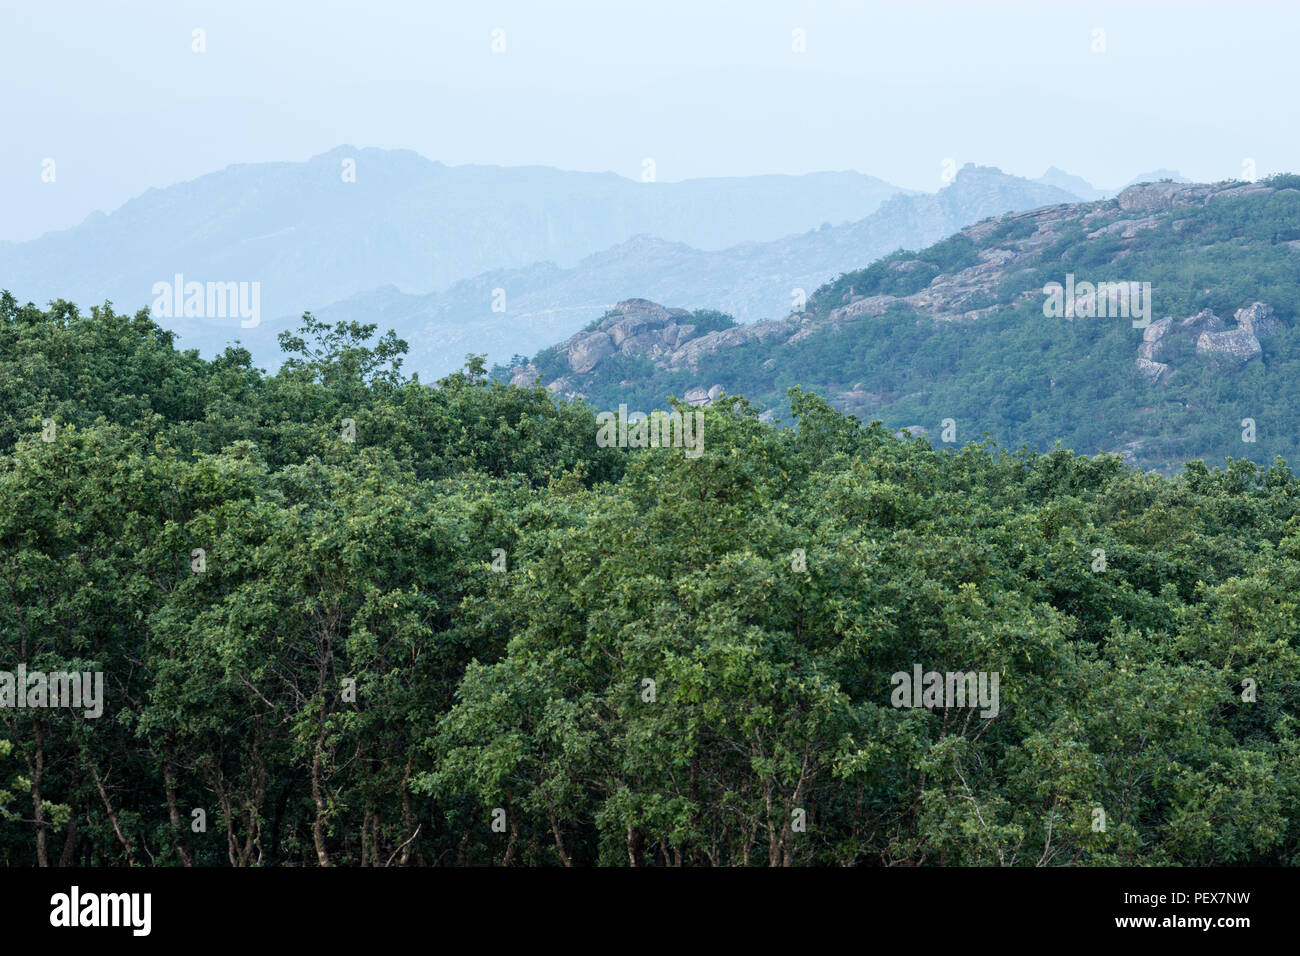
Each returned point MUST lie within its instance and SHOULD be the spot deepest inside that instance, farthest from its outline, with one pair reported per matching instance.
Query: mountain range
(753, 280)
(487, 259)
(352, 220)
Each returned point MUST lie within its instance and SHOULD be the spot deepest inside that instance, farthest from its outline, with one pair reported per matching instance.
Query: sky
(120, 100)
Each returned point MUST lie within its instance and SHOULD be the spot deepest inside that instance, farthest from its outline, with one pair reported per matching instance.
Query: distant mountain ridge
(516, 257)
(1075, 185)
(352, 220)
(1080, 187)
(751, 281)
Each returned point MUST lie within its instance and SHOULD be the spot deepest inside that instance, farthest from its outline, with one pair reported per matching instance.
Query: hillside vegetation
(958, 331)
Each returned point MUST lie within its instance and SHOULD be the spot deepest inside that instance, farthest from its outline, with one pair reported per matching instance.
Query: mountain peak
(1075, 185)
(1157, 176)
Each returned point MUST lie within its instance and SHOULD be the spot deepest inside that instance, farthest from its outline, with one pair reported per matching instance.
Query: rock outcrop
(1161, 338)
(1155, 372)
(1166, 340)
(1201, 323)
(1125, 228)
(586, 349)
(632, 326)
(524, 375)
(1154, 197)
(1151, 337)
(689, 352)
(666, 336)
(1258, 319)
(699, 395)
(1236, 346)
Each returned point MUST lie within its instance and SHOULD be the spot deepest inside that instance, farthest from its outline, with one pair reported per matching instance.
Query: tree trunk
(38, 805)
(318, 797)
(173, 812)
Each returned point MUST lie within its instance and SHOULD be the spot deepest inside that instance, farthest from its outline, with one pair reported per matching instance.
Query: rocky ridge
(668, 338)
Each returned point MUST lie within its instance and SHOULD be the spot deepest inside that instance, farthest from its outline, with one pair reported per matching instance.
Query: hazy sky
(116, 96)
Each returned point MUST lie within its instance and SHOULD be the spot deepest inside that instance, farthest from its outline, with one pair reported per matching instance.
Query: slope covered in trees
(959, 331)
(357, 620)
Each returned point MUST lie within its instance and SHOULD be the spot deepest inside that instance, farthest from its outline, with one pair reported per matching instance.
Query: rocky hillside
(961, 331)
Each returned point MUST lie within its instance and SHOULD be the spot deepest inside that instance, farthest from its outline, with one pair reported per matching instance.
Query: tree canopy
(347, 618)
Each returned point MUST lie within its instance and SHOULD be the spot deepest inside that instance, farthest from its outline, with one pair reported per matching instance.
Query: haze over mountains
(751, 281)
(311, 236)
(391, 237)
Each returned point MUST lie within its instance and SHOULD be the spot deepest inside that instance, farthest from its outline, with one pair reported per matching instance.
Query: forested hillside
(357, 620)
(958, 331)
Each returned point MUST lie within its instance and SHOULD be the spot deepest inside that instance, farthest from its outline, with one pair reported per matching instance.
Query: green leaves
(465, 634)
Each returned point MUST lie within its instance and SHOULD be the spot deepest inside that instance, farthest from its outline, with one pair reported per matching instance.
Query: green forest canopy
(349, 680)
